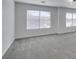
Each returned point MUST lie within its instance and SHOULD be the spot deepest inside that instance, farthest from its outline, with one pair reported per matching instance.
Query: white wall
(8, 24)
(62, 20)
(58, 20)
(20, 20)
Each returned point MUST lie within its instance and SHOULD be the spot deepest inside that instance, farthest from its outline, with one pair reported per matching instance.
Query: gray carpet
(44, 47)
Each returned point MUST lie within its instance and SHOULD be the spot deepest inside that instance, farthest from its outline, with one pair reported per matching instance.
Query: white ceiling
(57, 3)
(58, 0)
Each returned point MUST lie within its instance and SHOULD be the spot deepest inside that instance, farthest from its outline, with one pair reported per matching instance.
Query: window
(44, 19)
(70, 19)
(74, 19)
(32, 19)
(38, 19)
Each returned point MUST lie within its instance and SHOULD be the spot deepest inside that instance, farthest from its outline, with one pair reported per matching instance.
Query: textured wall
(62, 20)
(58, 20)
(20, 20)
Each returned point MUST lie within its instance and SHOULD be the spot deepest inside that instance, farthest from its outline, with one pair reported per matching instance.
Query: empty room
(38, 29)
